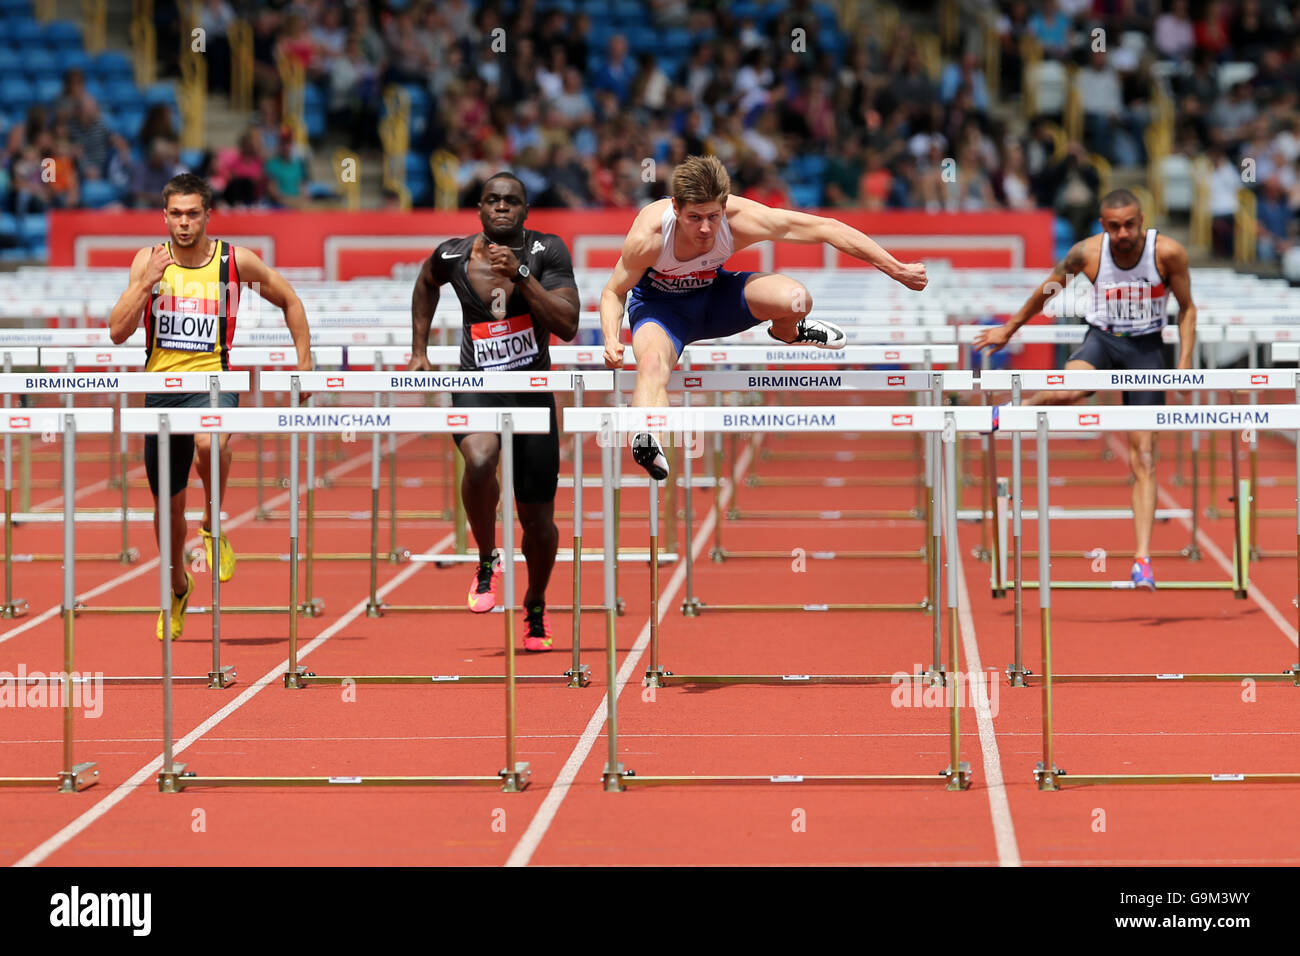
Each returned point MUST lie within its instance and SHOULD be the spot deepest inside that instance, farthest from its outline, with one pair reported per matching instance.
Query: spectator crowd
(590, 109)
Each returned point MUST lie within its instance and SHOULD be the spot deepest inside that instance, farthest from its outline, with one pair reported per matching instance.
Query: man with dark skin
(1132, 270)
(516, 290)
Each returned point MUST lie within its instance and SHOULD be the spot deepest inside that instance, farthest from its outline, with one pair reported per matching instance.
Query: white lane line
(149, 770)
(152, 564)
(1004, 829)
(545, 815)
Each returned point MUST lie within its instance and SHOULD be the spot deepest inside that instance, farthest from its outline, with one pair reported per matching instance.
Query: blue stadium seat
(129, 121)
(156, 93)
(119, 94)
(110, 64)
(419, 178)
(48, 89)
(96, 90)
(806, 195)
(16, 93)
(39, 63)
(96, 193)
(1062, 236)
(9, 225)
(10, 63)
(16, 8)
(191, 158)
(76, 60)
(34, 229)
(24, 32)
(63, 35)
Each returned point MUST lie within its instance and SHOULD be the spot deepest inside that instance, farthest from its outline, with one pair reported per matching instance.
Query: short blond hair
(701, 179)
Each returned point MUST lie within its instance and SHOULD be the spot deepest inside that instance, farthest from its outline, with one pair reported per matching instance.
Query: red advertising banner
(349, 245)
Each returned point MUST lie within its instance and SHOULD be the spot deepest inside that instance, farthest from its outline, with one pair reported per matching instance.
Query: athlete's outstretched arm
(275, 288)
(631, 265)
(755, 222)
(1180, 284)
(424, 300)
(147, 270)
(997, 336)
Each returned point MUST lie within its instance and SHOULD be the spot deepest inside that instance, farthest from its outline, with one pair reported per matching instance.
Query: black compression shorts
(1105, 351)
(537, 457)
(180, 447)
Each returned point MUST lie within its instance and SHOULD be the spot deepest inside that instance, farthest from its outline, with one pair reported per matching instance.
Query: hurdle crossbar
(68, 423)
(611, 422)
(1140, 418)
(174, 777)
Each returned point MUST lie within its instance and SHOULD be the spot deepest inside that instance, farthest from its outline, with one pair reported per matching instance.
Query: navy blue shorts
(713, 312)
(1104, 351)
(180, 447)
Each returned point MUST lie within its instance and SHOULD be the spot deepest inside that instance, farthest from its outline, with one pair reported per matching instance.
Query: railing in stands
(193, 99)
(1246, 227)
(240, 35)
(144, 50)
(347, 168)
(395, 135)
(445, 166)
(94, 23)
(1201, 221)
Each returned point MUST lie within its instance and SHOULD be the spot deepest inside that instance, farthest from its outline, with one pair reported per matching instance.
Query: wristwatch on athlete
(521, 274)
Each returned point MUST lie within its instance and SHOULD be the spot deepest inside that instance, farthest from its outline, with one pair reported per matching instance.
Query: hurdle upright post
(293, 677)
(933, 481)
(1295, 673)
(373, 608)
(13, 607)
(958, 773)
(169, 776)
(612, 778)
(74, 777)
(578, 672)
(310, 605)
(1017, 672)
(717, 553)
(128, 554)
(514, 775)
(690, 604)
(1046, 772)
(219, 677)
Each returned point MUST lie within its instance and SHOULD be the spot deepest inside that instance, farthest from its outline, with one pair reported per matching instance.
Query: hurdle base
(170, 781)
(188, 779)
(1019, 676)
(691, 607)
(1146, 779)
(767, 780)
(296, 679)
(934, 676)
(1047, 778)
(82, 776)
(305, 678)
(578, 677)
(17, 609)
(613, 779)
(129, 556)
(374, 610)
(221, 679)
(960, 779)
(399, 556)
(517, 780)
(1286, 676)
(923, 606)
(313, 608)
(659, 677)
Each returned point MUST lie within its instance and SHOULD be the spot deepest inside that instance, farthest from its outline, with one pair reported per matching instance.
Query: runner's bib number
(504, 343)
(186, 325)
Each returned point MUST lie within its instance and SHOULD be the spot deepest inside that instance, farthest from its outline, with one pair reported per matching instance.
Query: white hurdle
(612, 423)
(11, 357)
(67, 423)
(1042, 420)
(70, 385)
(294, 421)
(424, 383)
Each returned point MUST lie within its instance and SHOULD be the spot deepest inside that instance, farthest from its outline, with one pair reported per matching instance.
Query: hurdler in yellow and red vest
(187, 293)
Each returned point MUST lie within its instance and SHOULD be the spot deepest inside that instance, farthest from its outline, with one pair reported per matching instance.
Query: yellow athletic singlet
(191, 319)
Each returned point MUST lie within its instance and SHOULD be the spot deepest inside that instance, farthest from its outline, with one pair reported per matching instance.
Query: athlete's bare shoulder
(645, 239)
(1171, 256)
(1084, 257)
